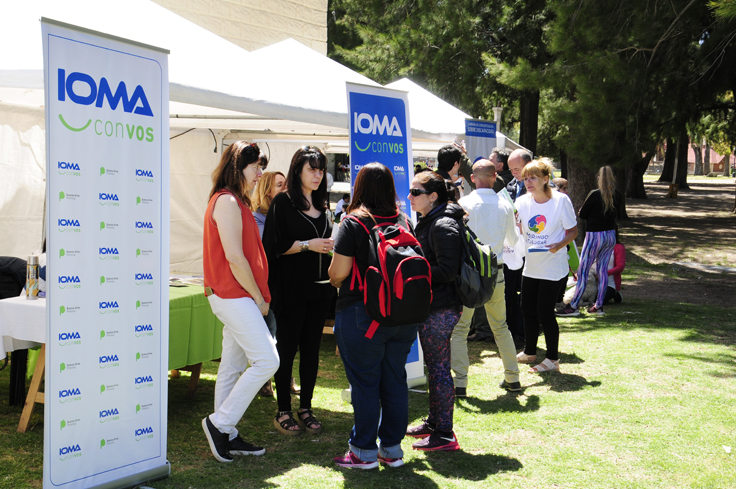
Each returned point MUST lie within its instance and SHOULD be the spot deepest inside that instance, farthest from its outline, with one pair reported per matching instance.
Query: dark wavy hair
(433, 182)
(316, 159)
(229, 172)
(374, 192)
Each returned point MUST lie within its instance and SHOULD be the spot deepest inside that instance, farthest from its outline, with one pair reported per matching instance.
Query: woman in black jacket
(440, 235)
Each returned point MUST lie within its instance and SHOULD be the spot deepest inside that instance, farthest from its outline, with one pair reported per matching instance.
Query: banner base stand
(133, 480)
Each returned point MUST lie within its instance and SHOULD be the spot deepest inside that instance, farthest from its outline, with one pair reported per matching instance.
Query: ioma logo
(69, 226)
(107, 361)
(144, 227)
(70, 452)
(372, 124)
(143, 330)
(73, 338)
(143, 279)
(109, 307)
(109, 199)
(67, 168)
(107, 415)
(144, 175)
(70, 395)
(143, 433)
(109, 253)
(143, 382)
(96, 93)
(69, 282)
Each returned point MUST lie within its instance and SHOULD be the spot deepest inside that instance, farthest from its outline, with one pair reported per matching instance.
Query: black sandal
(286, 426)
(307, 423)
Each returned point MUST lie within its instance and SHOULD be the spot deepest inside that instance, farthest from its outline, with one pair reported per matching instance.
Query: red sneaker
(350, 461)
(391, 462)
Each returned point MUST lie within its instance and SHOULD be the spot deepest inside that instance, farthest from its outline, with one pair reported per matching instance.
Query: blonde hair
(262, 195)
(539, 169)
(607, 186)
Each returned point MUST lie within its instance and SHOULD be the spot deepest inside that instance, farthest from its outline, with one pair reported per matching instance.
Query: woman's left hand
(554, 248)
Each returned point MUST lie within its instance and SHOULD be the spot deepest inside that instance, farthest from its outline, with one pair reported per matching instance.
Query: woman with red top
(236, 285)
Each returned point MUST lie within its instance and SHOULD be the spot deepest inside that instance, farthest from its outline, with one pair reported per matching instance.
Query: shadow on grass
(700, 324)
(508, 403)
(562, 382)
(458, 465)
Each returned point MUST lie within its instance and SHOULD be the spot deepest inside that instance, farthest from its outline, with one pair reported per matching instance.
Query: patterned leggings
(598, 247)
(435, 334)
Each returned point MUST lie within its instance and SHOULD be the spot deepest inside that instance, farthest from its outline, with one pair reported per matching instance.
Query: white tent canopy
(284, 95)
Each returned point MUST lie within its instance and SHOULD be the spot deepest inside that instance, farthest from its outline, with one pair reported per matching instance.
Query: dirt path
(696, 228)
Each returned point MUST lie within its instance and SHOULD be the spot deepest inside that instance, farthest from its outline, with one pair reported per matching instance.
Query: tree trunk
(635, 188)
(669, 161)
(580, 181)
(698, 150)
(706, 159)
(681, 177)
(620, 174)
(563, 164)
(529, 119)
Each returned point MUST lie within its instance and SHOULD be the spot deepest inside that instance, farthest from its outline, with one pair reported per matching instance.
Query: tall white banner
(107, 200)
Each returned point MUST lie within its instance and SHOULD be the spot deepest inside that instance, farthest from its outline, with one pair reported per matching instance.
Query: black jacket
(441, 239)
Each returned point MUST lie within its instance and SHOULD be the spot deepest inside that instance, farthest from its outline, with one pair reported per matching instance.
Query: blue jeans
(376, 370)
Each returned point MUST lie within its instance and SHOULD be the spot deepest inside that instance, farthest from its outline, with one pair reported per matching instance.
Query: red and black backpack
(397, 286)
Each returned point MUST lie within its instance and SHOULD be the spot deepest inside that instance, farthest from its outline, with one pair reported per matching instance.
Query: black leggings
(538, 298)
(299, 327)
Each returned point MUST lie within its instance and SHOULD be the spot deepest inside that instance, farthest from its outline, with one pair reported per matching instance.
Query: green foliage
(724, 9)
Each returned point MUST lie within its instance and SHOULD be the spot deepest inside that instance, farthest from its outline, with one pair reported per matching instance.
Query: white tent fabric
(283, 93)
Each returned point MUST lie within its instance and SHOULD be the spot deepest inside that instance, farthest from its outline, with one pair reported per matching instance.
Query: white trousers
(245, 338)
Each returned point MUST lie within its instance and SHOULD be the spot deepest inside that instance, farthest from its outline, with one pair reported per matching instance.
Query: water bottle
(32, 277)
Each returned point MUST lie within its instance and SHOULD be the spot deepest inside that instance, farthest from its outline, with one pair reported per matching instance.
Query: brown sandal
(308, 423)
(287, 425)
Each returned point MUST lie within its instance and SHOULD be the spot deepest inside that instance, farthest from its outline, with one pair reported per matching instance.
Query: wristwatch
(303, 246)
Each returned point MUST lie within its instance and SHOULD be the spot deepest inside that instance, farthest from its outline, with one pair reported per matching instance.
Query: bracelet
(303, 246)
(263, 301)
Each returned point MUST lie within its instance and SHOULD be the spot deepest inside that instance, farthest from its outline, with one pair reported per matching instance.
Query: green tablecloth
(195, 334)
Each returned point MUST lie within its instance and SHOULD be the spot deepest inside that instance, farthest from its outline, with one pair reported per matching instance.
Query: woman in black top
(439, 233)
(599, 212)
(297, 241)
(374, 366)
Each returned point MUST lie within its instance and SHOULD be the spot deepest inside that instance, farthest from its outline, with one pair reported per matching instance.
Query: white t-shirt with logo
(544, 224)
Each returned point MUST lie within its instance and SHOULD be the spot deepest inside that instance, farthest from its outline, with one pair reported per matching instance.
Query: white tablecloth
(22, 323)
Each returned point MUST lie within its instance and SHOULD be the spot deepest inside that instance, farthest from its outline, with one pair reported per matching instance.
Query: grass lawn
(645, 399)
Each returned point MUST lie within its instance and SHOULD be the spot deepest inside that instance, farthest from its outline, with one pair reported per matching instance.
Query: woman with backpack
(548, 225)
(375, 367)
(440, 235)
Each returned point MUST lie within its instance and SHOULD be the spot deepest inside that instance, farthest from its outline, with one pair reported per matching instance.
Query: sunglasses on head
(416, 192)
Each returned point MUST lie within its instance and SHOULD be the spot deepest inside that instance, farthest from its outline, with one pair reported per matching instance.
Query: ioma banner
(107, 167)
(380, 132)
(480, 138)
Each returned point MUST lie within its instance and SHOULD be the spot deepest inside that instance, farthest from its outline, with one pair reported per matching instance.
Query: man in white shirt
(492, 220)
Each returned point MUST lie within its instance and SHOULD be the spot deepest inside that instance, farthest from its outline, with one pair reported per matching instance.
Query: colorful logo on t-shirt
(537, 223)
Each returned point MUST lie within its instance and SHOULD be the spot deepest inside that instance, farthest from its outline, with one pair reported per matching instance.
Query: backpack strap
(371, 330)
(356, 272)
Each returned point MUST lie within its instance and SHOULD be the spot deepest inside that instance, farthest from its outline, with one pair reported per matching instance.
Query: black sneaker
(510, 386)
(438, 442)
(477, 337)
(240, 447)
(219, 441)
(421, 431)
(461, 392)
(618, 297)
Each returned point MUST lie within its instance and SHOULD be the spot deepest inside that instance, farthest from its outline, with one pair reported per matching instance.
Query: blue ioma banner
(380, 132)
